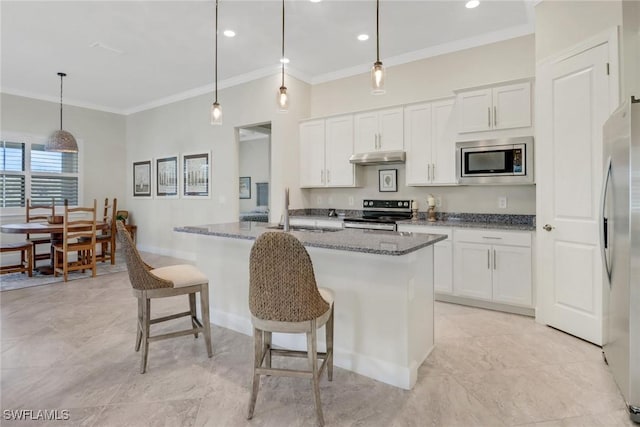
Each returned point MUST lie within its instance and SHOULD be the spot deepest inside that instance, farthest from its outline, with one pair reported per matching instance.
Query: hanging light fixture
(216, 110)
(61, 140)
(283, 97)
(377, 71)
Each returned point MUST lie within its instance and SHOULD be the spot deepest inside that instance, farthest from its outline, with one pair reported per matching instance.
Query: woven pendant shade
(61, 140)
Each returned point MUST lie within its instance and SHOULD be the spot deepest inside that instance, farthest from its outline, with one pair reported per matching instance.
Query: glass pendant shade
(377, 78)
(216, 114)
(61, 141)
(283, 100)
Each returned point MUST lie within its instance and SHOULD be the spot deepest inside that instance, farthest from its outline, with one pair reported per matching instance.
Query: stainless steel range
(380, 215)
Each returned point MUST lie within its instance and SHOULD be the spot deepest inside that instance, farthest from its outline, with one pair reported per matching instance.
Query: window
(29, 172)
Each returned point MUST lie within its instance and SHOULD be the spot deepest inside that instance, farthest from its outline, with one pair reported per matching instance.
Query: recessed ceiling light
(315, 1)
(363, 37)
(229, 33)
(472, 3)
(284, 60)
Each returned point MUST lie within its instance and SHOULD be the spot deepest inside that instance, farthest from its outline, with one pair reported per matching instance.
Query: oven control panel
(386, 204)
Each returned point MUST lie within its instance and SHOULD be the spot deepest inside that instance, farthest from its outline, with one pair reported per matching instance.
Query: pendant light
(283, 97)
(61, 140)
(216, 110)
(377, 71)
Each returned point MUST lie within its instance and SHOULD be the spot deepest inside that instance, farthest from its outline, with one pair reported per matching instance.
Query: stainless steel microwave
(495, 161)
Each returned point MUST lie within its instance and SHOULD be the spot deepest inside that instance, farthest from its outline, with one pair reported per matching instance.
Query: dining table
(54, 230)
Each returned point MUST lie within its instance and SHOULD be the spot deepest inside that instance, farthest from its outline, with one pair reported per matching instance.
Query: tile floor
(70, 346)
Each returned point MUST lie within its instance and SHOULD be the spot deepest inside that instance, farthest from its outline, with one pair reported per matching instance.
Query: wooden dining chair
(106, 236)
(40, 213)
(79, 237)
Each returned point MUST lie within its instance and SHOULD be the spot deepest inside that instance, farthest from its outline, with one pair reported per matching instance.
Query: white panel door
(573, 104)
(512, 106)
(366, 132)
(390, 129)
(512, 275)
(472, 272)
(443, 147)
(474, 110)
(418, 134)
(312, 173)
(338, 149)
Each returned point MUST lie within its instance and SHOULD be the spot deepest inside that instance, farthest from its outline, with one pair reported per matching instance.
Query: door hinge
(607, 68)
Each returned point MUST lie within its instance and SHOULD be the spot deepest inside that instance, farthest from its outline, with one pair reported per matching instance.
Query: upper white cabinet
(325, 148)
(494, 108)
(380, 130)
(429, 143)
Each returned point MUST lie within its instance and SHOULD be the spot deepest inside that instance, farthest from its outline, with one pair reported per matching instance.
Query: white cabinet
(380, 130)
(493, 266)
(429, 144)
(442, 256)
(494, 108)
(325, 148)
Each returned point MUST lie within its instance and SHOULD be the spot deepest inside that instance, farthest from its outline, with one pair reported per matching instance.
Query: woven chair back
(139, 275)
(282, 284)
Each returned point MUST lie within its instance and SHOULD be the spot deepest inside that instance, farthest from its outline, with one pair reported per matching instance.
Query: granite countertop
(469, 224)
(353, 240)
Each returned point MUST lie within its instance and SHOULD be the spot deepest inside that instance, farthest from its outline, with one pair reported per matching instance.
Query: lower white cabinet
(442, 255)
(493, 265)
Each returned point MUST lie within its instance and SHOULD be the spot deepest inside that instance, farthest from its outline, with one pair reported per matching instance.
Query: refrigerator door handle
(604, 243)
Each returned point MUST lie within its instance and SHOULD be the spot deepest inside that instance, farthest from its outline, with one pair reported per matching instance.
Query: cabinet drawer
(493, 237)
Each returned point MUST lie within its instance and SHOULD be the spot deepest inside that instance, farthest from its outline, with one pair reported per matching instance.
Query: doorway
(254, 168)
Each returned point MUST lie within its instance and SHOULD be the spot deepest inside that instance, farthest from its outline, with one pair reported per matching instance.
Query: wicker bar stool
(284, 297)
(149, 282)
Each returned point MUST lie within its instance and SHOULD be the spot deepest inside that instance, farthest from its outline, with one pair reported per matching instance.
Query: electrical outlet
(502, 202)
(351, 201)
(319, 200)
(438, 202)
(330, 200)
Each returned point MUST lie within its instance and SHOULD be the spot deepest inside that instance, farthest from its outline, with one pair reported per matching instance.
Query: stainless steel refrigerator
(620, 242)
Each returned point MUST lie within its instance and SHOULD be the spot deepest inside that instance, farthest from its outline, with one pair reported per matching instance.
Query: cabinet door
(338, 149)
(312, 173)
(366, 132)
(512, 106)
(443, 147)
(472, 272)
(390, 129)
(474, 111)
(512, 275)
(418, 134)
(443, 267)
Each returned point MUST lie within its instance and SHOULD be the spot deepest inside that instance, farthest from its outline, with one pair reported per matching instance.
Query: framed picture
(196, 175)
(167, 176)
(388, 180)
(142, 179)
(245, 187)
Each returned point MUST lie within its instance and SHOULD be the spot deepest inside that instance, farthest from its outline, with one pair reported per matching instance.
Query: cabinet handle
(379, 140)
(495, 116)
(328, 176)
(488, 259)
(428, 171)
(322, 176)
(433, 172)
(489, 116)
(494, 259)
(492, 238)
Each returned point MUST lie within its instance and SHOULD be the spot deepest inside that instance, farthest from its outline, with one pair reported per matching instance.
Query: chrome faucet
(285, 222)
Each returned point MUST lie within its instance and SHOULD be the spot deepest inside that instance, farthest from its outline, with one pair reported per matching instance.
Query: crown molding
(56, 100)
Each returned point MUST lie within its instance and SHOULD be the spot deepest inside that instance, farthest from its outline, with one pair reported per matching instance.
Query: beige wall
(103, 135)
(423, 80)
(561, 24)
(183, 127)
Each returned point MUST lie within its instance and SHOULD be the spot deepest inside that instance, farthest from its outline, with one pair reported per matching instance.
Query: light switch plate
(438, 202)
(502, 202)
(351, 201)
(319, 200)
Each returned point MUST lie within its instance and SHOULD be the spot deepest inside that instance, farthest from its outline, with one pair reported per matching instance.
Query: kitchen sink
(307, 228)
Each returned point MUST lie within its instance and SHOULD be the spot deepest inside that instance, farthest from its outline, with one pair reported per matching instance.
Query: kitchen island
(382, 283)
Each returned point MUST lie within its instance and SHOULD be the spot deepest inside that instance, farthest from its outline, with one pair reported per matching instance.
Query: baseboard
(525, 311)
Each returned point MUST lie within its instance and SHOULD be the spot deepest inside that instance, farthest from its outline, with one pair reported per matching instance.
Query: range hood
(378, 158)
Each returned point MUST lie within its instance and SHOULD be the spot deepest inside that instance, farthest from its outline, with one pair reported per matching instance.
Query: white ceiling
(166, 47)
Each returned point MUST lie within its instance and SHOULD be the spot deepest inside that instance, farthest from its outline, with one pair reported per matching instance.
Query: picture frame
(196, 175)
(387, 180)
(142, 179)
(245, 187)
(167, 176)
